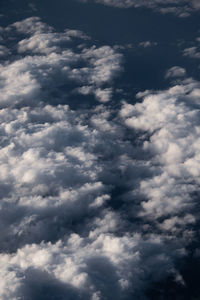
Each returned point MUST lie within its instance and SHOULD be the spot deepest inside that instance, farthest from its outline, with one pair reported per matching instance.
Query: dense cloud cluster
(97, 202)
(182, 8)
(171, 121)
(54, 63)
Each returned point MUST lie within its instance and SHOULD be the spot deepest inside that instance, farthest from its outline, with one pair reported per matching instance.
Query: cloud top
(181, 8)
(97, 202)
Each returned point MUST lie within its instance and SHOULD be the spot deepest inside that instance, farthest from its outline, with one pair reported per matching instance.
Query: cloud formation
(182, 8)
(170, 121)
(48, 61)
(175, 72)
(96, 202)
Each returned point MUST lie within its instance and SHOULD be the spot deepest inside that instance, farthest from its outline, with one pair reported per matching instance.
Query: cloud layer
(97, 202)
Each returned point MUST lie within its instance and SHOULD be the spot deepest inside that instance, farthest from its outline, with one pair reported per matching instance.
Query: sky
(99, 149)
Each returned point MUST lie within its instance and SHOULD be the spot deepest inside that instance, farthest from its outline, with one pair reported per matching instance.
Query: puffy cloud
(105, 64)
(48, 153)
(175, 72)
(51, 174)
(30, 25)
(171, 122)
(87, 268)
(182, 8)
(94, 204)
(25, 80)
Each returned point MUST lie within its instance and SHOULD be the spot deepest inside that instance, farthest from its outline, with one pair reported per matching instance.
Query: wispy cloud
(181, 8)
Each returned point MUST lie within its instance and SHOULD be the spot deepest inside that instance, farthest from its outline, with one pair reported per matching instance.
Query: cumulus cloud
(53, 63)
(96, 203)
(48, 152)
(51, 176)
(30, 25)
(182, 8)
(175, 72)
(171, 122)
(94, 267)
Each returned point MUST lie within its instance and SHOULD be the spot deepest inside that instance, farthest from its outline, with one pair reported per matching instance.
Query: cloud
(102, 95)
(49, 163)
(175, 72)
(194, 51)
(48, 61)
(97, 202)
(32, 25)
(147, 44)
(82, 265)
(170, 120)
(48, 158)
(48, 173)
(3, 51)
(181, 8)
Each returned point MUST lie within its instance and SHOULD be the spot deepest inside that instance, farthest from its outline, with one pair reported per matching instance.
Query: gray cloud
(192, 52)
(84, 264)
(175, 72)
(147, 44)
(53, 63)
(182, 8)
(51, 170)
(172, 124)
(3, 51)
(88, 212)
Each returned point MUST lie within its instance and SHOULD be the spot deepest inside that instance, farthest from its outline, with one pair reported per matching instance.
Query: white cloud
(48, 42)
(31, 25)
(171, 122)
(73, 218)
(49, 165)
(105, 64)
(85, 264)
